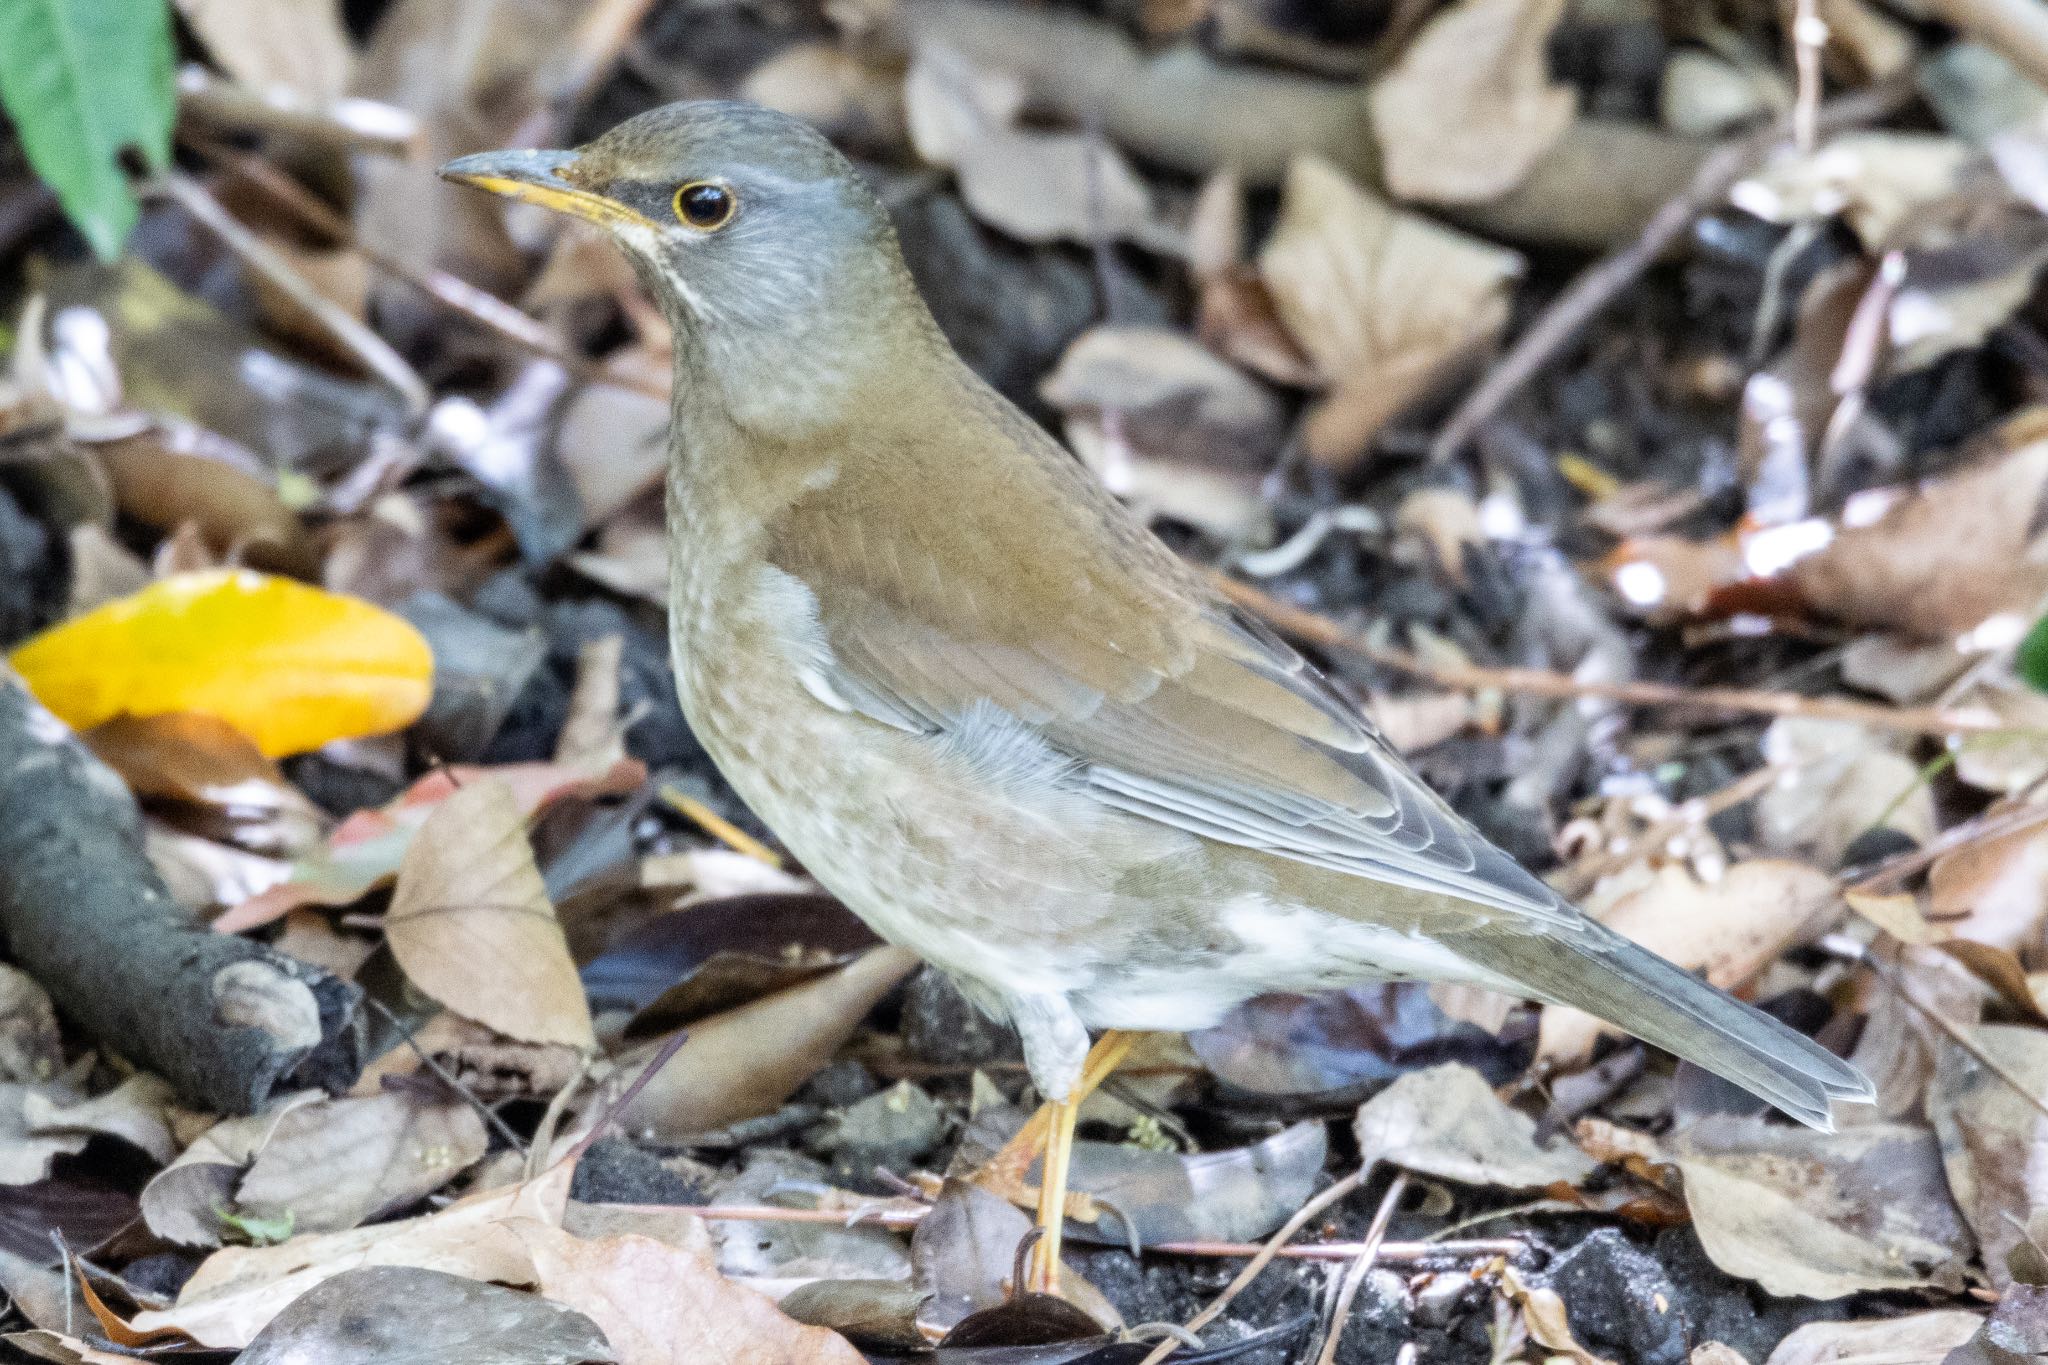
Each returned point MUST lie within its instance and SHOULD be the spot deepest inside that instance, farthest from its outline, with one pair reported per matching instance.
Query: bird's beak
(536, 178)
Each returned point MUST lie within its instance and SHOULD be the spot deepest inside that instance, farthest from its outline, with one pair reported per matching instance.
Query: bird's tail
(1597, 970)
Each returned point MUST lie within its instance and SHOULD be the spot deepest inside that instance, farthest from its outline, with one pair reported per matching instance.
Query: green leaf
(82, 80)
(2033, 659)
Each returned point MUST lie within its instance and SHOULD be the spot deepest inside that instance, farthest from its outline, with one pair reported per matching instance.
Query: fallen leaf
(471, 924)
(183, 1201)
(1036, 186)
(173, 473)
(238, 1290)
(336, 1163)
(36, 1218)
(1238, 1194)
(298, 44)
(1836, 782)
(133, 1111)
(1447, 1122)
(1543, 1313)
(1993, 890)
(1872, 180)
(1170, 426)
(1916, 1339)
(1994, 1137)
(716, 955)
(208, 776)
(365, 850)
(1823, 1214)
(1384, 301)
(662, 1305)
(1315, 1044)
(1471, 106)
(746, 1061)
(963, 1259)
(288, 665)
(1733, 927)
(400, 1315)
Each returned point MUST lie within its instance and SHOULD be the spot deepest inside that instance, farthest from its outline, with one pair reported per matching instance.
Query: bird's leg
(1051, 1130)
(1005, 1172)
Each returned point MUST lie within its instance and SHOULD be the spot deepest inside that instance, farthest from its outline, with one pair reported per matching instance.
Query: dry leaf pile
(1641, 410)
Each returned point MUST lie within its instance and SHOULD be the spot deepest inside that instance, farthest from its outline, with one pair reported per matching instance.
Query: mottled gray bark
(228, 1021)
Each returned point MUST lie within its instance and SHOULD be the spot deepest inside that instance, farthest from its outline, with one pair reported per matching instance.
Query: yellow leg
(1044, 1276)
(1051, 1130)
(1005, 1172)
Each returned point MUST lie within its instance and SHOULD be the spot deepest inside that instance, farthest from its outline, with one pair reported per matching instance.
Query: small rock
(890, 1127)
(614, 1171)
(1619, 1300)
(841, 1085)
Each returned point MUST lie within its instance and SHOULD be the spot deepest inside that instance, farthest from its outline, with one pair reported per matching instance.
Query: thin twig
(1605, 280)
(1355, 1273)
(465, 300)
(447, 1077)
(374, 353)
(1321, 630)
(1956, 1033)
(1343, 1188)
(626, 1097)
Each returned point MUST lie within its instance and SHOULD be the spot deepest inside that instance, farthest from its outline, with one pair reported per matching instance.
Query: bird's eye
(705, 206)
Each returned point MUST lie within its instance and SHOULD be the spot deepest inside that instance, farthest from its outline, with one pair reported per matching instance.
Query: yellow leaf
(288, 665)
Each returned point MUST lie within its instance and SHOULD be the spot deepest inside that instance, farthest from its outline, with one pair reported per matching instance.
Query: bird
(986, 707)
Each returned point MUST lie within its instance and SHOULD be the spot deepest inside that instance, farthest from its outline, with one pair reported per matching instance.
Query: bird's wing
(1172, 705)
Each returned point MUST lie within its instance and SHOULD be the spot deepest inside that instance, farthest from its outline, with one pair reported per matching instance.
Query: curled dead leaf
(1384, 301)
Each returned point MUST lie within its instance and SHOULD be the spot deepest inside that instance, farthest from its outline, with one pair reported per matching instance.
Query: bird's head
(762, 244)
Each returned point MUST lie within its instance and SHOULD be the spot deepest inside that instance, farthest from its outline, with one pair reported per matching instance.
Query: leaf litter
(351, 572)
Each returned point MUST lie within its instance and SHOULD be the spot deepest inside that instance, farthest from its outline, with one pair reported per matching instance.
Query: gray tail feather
(1599, 971)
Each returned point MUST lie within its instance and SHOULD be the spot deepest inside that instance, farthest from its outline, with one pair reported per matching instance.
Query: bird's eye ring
(705, 206)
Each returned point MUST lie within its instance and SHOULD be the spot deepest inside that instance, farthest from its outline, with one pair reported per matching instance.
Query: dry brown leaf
(1036, 186)
(1446, 1121)
(1993, 890)
(1716, 1353)
(1836, 781)
(1900, 561)
(1733, 927)
(1873, 180)
(238, 1290)
(133, 1111)
(1470, 107)
(593, 735)
(25, 1157)
(1168, 425)
(471, 924)
(336, 1163)
(1823, 1214)
(1994, 1137)
(748, 1060)
(1384, 301)
(297, 44)
(1917, 1339)
(662, 1305)
(851, 101)
(183, 1201)
(2008, 761)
